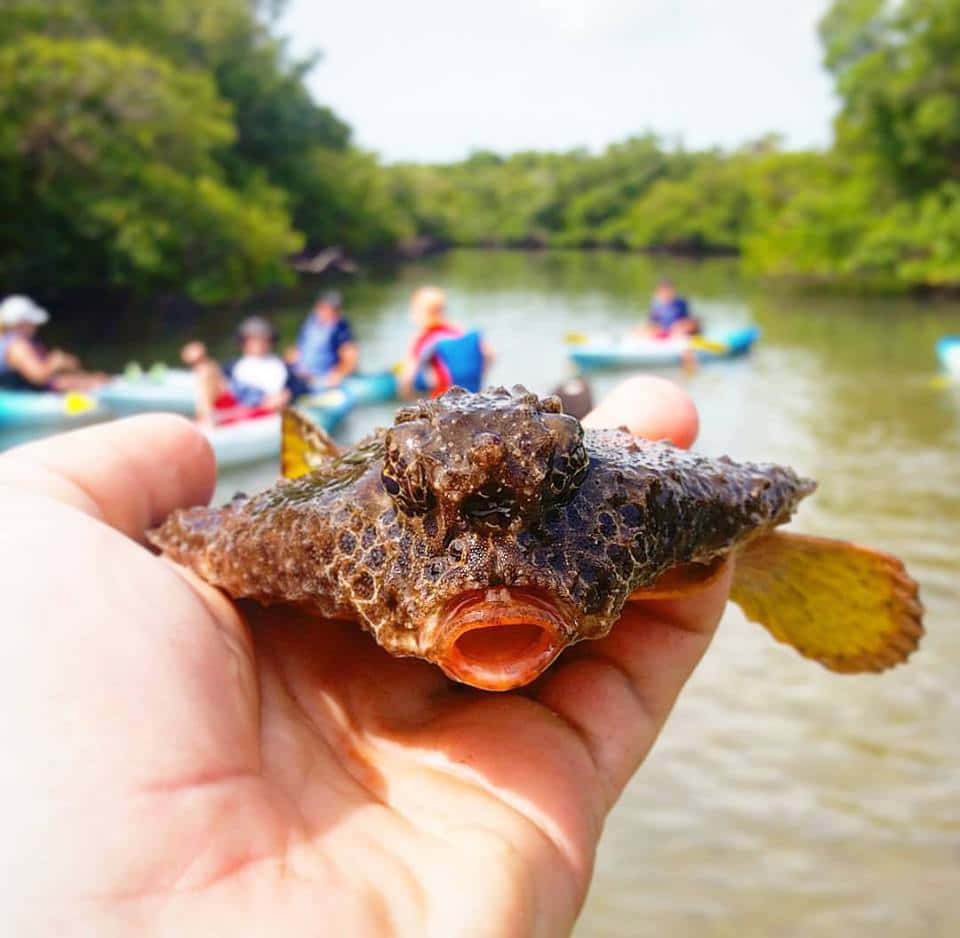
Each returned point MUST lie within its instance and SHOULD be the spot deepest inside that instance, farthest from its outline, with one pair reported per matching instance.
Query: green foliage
(169, 145)
(883, 207)
(108, 154)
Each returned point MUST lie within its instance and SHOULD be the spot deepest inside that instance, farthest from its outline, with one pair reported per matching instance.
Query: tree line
(174, 146)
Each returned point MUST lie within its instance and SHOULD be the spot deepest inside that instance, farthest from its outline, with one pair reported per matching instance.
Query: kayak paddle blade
(709, 345)
(75, 403)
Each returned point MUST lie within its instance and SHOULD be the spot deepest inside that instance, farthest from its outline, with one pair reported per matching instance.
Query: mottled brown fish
(487, 532)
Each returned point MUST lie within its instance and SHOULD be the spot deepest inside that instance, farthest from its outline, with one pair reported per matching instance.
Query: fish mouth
(499, 639)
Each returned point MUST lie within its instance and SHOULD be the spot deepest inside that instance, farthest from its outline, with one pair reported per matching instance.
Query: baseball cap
(255, 326)
(16, 310)
(331, 298)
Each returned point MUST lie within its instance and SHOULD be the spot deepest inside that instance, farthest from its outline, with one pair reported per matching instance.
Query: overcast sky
(433, 79)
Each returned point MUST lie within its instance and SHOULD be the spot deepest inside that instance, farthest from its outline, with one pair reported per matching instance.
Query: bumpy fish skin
(473, 491)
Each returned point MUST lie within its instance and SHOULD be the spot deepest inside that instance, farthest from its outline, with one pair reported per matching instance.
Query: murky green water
(781, 800)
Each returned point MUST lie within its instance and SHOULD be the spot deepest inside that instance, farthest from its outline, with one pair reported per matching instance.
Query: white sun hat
(15, 310)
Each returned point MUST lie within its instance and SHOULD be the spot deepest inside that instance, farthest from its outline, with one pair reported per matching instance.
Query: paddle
(696, 341)
(709, 345)
(75, 402)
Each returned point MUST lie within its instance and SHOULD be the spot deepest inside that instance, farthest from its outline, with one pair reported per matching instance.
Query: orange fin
(305, 446)
(849, 607)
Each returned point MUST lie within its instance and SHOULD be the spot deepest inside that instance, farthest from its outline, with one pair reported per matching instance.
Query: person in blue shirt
(325, 352)
(669, 314)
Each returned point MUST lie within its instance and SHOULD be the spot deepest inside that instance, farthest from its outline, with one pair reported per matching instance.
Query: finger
(616, 693)
(650, 407)
(129, 473)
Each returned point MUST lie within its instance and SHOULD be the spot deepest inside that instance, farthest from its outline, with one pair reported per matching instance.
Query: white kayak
(173, 389)
(596, 352)
(258, 438)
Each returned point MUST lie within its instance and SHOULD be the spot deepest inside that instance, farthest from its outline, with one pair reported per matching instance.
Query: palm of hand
(270, 774)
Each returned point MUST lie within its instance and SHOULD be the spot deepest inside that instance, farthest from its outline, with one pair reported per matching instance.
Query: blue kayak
(948, 354)
(173, 389)
(596, 352)
(48, 409)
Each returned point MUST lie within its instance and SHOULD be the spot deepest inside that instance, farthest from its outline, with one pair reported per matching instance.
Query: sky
(432, 80)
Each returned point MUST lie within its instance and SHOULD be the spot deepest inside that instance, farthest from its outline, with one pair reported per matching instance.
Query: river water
(781, 800)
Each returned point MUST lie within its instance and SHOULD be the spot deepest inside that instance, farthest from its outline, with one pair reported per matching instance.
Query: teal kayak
(48, 408)
(258, 438)
(159, 389)
(372, 388)
(173, 389)
(948, 354)
(596, 352)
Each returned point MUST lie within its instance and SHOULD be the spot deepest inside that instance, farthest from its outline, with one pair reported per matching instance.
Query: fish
(486, 532)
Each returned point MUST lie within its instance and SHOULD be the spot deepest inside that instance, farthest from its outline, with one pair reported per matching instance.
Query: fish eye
(569, 463)
(409, 491)
(404, 474)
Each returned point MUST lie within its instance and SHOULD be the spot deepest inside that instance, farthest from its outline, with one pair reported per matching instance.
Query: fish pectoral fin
(305, 446)
(849, 607)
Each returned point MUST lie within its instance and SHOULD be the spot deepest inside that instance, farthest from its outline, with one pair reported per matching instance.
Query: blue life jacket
(10, 378)
(664, 315)
(5, 342)
(463, 358)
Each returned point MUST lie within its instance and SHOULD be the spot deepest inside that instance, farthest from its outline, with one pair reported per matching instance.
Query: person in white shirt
(258, 382)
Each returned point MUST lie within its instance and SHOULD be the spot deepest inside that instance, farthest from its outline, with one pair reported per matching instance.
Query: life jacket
(462, 358)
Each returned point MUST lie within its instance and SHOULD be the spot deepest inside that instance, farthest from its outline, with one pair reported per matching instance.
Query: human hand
(174, 764)
(63, 361)
(277, 400)
(193, 353)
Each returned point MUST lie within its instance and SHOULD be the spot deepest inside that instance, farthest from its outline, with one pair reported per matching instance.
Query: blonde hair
(431, 302)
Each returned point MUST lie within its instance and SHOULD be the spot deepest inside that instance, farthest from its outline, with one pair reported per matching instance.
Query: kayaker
(428, 367)
(669, 314)
(25, 364)
(325, 352)
(257, 383)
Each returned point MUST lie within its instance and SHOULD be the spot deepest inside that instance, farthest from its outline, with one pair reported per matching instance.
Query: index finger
(128, 473)
(617, 692)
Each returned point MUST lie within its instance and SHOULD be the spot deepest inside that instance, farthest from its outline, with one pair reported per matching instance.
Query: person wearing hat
(258, 382)
(24, 363)
(325, 352)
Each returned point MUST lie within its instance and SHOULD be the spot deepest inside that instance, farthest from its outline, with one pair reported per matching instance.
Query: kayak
(48, 408)
(258, 438)
(595, 352)
(948, 354)
(159, 389)
(373, 388)
(173, 389)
